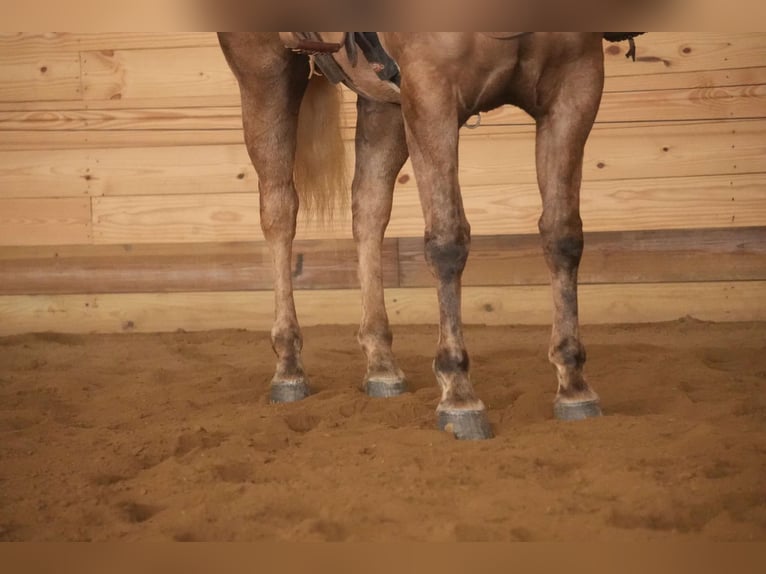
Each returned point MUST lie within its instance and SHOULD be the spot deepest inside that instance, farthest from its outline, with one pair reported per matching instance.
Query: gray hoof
(385, 389)
(465, 425)
(576, 411)
(288, 392)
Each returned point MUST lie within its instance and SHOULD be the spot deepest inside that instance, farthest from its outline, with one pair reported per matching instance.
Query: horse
(440, 80)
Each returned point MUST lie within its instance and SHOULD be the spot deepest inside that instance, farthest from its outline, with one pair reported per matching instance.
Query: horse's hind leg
(381, 150)
(561, 135)
(272, 82)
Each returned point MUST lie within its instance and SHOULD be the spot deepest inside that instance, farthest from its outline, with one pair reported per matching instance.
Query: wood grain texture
(128, 171)
(695, 79)
(156, 101)
(625, 303)
(131, 63)
(666, 203)
(696, 85)
(52, 173)
(655, 256)
(613, 257)
(169, 268)
(224, 113)
(495, 154)
(684, 60)
(169, 218)
(613, 151)
(172, 170)
(44, 221)
(106, 118)
(666, 53)
(124, 74)
(606, 303)
(624, 151)
(698, 103)
(672, 149)
(43, 42)
(720, 201)
(49, 76)
(38, 140)
(616, 152)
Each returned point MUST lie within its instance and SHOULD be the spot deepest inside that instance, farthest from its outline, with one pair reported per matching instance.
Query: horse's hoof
(465, 424)
(385, 389)
(566, 411)
(288, 391)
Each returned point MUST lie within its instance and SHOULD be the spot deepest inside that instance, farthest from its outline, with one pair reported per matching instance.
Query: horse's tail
(320, 158)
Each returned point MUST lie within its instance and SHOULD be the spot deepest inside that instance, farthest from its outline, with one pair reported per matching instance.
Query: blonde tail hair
(320, 170)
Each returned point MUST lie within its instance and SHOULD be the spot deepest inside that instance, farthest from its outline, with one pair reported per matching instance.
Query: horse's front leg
(561, 135)
(381, 150)
(430, 114)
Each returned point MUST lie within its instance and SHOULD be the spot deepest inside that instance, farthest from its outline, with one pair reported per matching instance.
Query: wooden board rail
(610, 257)
(506, 305)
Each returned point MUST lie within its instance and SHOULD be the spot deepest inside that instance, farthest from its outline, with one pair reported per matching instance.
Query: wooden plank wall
(127, 201)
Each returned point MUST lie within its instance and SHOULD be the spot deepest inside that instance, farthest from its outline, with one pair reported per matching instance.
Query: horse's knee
(446, 254)
(562, 241)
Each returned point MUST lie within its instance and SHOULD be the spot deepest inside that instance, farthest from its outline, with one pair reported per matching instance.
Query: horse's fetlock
(375, 336)
(287, 341)
(568, 352)
(447, 362)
